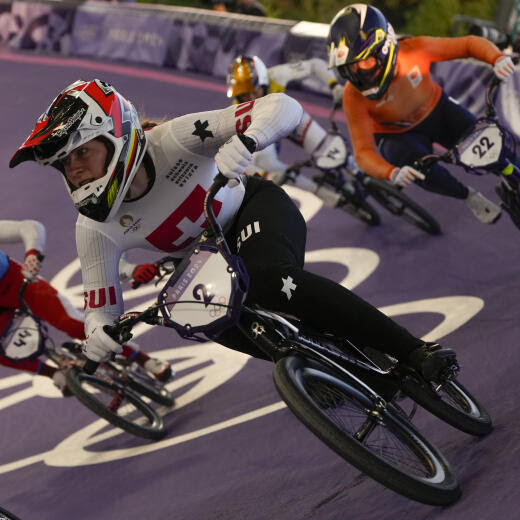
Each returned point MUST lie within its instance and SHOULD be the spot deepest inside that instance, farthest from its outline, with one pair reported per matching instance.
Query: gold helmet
(245, 75)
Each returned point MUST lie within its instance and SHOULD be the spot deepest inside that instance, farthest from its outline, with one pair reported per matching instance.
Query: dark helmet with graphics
(245, 75)
(82, 112)
(363, 48)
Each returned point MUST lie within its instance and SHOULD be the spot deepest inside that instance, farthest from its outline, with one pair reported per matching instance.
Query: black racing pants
(447, 123)
(269, 234)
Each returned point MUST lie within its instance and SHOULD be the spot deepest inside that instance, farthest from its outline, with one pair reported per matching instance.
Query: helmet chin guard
(80, 113)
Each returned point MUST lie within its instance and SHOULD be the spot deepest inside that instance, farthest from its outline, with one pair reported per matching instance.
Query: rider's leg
(43, 300)
(404, 149)
(270, 235)
(159, 368)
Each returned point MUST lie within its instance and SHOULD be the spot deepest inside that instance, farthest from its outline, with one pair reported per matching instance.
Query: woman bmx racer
(46, 303)
(391, 100)
(159, 178)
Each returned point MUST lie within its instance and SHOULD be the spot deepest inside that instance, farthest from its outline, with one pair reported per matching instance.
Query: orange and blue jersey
(411, 96)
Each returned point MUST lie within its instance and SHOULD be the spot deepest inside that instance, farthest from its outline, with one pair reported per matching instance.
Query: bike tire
(452, 403)
(321, 400)
(142, 382)
(99, 394)
(154, 390)
(400, 205)
(6, 515)
(360, 209)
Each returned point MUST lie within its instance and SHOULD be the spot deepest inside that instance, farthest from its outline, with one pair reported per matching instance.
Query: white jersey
(169, 217)
(30, 232)
(281, 75)
(308, 134)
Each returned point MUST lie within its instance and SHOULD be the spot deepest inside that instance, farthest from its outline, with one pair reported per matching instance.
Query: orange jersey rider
(394, 109)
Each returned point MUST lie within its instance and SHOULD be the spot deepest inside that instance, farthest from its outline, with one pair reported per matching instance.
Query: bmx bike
(350, 398)
(115, 393)
(343, 185)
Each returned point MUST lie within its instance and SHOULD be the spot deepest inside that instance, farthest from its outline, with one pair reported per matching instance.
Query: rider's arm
(443, 49)
(361, 131)
(30, 232)
(99, 256)
(308, 134)
(285, 73)
(265, 120)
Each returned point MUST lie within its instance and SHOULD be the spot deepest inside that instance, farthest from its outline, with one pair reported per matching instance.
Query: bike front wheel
(116, 403)
(373, 437)
(354, 204)
(452, 403)
(400, 205)
(144, 383)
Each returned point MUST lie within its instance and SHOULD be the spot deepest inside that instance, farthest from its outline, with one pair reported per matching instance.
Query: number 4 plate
(481, 148)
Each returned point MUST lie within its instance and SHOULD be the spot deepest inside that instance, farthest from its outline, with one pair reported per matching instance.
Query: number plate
(205, 293)
(331, 154)
(22, 339)
(481, 148)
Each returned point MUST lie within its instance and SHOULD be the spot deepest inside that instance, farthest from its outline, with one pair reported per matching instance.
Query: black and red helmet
(82, 112)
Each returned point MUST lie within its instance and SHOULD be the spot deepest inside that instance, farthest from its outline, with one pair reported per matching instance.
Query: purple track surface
(233, 451)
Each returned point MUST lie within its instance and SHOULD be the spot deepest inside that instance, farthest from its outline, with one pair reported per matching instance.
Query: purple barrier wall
(195, 40)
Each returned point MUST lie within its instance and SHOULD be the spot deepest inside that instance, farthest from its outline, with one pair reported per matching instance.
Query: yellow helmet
(245, 75)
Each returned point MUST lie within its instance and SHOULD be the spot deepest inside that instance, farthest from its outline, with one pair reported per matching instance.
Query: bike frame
(218, 282)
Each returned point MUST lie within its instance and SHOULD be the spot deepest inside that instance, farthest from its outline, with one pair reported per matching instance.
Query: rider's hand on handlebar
(233, 157)
(144, 273)
(99, 345)
(503, 67)
(32, 264)
(405, 175)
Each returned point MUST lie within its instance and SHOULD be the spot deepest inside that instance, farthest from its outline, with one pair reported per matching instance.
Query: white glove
(337, 94)
(99, 345)
(32, 264)
(503, 67)
(405, 175)
(232, 159)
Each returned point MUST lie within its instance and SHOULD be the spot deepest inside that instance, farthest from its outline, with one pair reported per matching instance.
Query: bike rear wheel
(119, 405)
(452, 403)
(377, 440)
(400, 205)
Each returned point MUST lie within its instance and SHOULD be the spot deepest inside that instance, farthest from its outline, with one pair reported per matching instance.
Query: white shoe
(485, 210)
(60, 381)
(160, 369)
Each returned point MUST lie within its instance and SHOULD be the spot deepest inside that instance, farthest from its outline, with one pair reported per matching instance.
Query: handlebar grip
(220, 180)
(90, 367)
